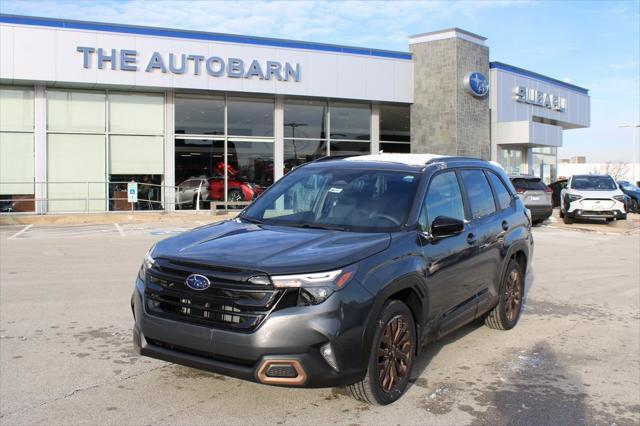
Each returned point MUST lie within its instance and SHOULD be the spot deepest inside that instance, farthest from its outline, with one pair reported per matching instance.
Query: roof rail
(451, 158)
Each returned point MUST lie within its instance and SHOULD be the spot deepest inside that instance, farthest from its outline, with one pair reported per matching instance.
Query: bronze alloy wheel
(512, 296)
(395, 354)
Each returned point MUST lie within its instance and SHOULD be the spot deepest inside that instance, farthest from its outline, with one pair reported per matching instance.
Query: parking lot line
(20, 232)
(120, 230)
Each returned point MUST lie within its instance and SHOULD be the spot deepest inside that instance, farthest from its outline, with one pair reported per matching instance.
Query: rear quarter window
(479, 194)
(502, 193)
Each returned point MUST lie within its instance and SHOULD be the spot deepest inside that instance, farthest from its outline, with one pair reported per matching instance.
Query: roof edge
(532, 74)
(198, 35)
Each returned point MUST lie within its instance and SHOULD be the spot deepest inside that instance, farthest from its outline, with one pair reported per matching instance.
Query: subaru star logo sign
(477, 84)
(198, 282)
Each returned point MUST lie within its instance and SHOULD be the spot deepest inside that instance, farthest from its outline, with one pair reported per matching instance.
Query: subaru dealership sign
(215, 66)
(540, 98)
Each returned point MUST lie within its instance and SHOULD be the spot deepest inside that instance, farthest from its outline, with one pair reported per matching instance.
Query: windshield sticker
(335, 190)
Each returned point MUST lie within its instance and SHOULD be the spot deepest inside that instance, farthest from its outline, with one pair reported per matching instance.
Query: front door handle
(471, 239)
(505, 225)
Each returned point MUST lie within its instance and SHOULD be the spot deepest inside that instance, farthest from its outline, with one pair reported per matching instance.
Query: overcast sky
(595, 45)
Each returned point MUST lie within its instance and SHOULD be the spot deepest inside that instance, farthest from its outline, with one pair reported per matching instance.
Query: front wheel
(392, 355)
(634, 206)
(567, 220)
(505, 315)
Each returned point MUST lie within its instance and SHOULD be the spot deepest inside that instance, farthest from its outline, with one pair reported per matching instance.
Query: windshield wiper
(251, 219)
(317, 226)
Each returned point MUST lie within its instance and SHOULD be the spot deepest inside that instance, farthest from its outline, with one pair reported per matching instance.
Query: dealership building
(195, 117)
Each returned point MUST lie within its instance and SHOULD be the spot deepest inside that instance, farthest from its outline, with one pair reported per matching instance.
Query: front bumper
(593, 209)
(292, 335)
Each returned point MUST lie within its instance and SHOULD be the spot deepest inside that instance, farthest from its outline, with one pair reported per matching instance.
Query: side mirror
(444, 226)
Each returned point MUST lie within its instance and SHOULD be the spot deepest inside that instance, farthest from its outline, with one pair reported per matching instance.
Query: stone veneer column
(445, 117)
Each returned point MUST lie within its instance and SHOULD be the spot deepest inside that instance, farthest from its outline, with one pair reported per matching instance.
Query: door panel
(449, 260)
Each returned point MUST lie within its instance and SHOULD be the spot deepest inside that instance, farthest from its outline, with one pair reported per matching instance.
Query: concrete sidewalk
(114, 217)
(631, 226)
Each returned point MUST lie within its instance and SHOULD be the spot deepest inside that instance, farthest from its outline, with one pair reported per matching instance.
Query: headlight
(573, 197)
(619, 198)
(315, 287)
(147, 263)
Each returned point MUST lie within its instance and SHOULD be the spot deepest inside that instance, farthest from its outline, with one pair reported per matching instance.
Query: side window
(443, 199)
(479, 193)
(502, 193)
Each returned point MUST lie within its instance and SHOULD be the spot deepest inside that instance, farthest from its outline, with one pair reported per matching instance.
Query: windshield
(344, 199)
(593, 183)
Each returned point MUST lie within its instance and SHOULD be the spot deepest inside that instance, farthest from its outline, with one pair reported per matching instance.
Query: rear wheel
(392, 355)
(505, 315)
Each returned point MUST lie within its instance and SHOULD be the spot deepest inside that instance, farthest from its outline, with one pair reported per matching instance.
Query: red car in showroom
(212, 188)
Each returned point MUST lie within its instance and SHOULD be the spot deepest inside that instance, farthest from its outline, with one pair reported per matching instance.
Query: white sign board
(132, 192)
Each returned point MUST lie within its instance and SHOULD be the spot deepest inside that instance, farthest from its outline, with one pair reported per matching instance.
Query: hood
(271, 249)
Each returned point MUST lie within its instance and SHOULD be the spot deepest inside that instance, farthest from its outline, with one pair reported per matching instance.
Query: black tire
(371, 389)
(567, 220)
(505, 315)
(561, 214)
(609, 219)
(634, 206)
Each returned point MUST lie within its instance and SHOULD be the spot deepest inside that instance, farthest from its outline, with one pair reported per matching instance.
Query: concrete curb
(121, 218)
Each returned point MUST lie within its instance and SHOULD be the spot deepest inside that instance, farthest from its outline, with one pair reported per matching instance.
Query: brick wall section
(445, 118)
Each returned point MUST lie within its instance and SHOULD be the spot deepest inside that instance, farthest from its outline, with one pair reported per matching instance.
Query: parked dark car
(557, 188)
(633, 192)
(339, 274)
(535, 195)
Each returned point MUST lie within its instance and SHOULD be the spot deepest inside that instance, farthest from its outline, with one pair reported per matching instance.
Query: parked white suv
(592, 197)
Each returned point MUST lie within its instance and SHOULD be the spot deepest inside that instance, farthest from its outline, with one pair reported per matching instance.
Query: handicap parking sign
(132, 192)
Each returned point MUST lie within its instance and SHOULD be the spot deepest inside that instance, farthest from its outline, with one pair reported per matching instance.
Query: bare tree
(617, 170)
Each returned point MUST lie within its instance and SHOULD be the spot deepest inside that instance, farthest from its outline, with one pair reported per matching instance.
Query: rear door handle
(505, 225)
(471, 239)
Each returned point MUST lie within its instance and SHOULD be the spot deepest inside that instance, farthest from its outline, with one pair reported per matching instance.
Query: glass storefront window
(76, 170)
(395, 148)
(350, 121)
(300, 151)
(305, 119)
(16, 109)
(545, 161)
(149, 192)
(16, 172)
(511, 160)
(17, 167)
(75, 111)
(136, 113)
(199, 116)
(139, 155)
(395, 123)
(250, 116)
(250, 162)
(350, 148)
(200, 171)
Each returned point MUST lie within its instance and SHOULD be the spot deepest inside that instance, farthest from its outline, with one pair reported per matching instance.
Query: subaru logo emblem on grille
(198, 282)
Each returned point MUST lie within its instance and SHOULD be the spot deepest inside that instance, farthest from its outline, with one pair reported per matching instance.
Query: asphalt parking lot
(66, 355)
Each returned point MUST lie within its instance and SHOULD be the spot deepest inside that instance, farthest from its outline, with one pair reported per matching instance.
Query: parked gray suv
(535, 195)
